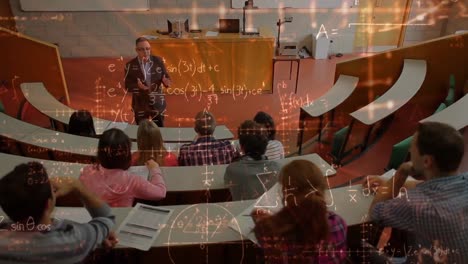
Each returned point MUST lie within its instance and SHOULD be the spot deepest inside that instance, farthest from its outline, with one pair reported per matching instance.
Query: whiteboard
(84, 5)
(293, 3)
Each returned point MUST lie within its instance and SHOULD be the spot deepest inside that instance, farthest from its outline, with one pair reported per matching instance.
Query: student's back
(31, 235)
(205, 149)
(111, 180)
(435, 211)
(303, 231)
(253, 174)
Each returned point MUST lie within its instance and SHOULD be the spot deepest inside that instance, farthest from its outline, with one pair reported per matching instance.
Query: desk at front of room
(228, 63)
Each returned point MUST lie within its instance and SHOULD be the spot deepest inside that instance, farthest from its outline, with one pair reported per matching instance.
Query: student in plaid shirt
(434, 211)
(303, 231)
(205, 149)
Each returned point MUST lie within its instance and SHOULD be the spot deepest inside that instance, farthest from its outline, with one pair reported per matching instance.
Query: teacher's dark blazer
(144, 102)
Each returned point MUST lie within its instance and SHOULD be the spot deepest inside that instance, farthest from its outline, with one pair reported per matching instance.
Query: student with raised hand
(275, 149)
(303, 231)
(81, 124)
(110, 177)
(253, 174)
(434, 210)
(31, 235)
(151, 145)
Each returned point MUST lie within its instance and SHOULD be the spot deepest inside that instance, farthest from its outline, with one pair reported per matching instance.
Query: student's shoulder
(275, 143)
(274, 163)
(225, 143)
(187, 145)
(89, 169)
(335, 219)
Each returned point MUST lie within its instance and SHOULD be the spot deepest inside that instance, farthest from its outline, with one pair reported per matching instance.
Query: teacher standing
(145, 76)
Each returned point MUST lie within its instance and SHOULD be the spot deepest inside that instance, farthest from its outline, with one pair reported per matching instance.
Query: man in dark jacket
(144, 77)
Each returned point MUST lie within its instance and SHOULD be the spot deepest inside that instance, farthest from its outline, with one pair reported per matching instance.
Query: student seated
(110, 178)
(205, 149)
(253, 173)
(81, 124)
(434, 211)
(303, 231)
(151, 145)
(275, 149)
(31, 235)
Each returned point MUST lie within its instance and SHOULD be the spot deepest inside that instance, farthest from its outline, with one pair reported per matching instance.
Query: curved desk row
(220, 220)
(337, 94)
(178, 179)
(408, 84)
(454, 115)
(41, 142)
(38, 96)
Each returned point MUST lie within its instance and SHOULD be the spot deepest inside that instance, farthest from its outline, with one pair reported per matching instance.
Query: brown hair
(140, 39)
(442, 142)
(114, 150)
(253, 139)
(24, 192)
(304, 218)
(150, 143)
(81, 124)
(266, 120)
(205, 123)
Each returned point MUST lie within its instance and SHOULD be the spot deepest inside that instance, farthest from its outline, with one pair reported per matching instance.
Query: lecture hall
(233, 131)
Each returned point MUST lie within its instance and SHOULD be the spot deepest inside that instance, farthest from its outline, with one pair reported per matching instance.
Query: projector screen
(84, 5)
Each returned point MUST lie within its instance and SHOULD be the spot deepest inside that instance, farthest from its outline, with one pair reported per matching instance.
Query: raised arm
(154, 188)
(93, 233)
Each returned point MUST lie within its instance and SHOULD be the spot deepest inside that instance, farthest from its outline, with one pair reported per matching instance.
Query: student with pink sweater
(110, 178)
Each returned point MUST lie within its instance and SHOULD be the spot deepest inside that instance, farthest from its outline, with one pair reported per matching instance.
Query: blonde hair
(150, 143)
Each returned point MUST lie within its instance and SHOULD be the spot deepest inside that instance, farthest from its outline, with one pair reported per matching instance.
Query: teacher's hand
(141, 86)
(166, 81)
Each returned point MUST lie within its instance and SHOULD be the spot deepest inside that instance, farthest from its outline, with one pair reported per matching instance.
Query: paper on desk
(119, 125)
(211, 34)
(77, 214)
(270, 200)
(142, 226)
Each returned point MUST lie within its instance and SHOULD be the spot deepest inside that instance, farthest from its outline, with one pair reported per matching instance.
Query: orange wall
(31, 60)
(5, 12)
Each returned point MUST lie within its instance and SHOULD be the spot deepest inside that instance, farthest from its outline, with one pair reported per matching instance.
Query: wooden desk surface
(13, 128)
(228, 63)
(55, 141)
(40, 98)
(265, 35)
(181, 134)
(341, 90)
(178, 179)
(214, 219)
(455, 115)
(408, 84)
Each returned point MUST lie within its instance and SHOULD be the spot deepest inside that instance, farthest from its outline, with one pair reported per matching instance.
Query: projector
(288, 49)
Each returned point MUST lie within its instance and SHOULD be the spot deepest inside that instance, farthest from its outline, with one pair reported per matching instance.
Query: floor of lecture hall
(96, 84)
